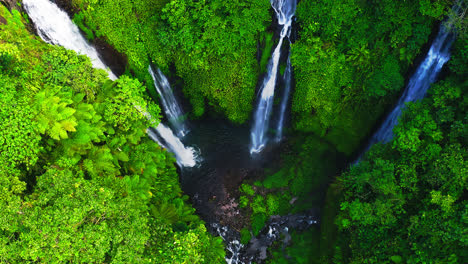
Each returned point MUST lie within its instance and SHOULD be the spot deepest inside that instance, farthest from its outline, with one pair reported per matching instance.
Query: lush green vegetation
(350, 61)
(299, 184)
(406, 200)
(79, 179)
(211, 45)
(81, 182)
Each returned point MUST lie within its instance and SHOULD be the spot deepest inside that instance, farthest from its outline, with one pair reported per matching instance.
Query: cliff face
(67, 6)
(10, 4)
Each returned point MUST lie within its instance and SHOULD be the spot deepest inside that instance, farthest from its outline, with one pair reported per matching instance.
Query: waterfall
(55, 27)
(284, 10)
(170, 105)
(284, 102)
(419, 83)
(163, 135)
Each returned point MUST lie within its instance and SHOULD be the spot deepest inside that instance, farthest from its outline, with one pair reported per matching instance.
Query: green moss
(258, 222)
(276, 180)
(304, 249)
(247, 189)
(78, 19)
(243, 201)
(245, 236)
(328, 228)
(258, 204)
(267, 38)
(272, 202)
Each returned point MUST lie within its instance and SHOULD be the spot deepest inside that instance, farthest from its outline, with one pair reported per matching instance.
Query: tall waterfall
(186, 156)
(170, 105)
(284, 10)
(425, 75)
(55, 27)
(284, 102)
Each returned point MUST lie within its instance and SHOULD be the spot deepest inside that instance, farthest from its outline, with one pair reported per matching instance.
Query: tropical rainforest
(81, 181)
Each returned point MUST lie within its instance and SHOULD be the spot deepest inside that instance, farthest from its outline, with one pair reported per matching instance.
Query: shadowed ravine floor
(226, 162)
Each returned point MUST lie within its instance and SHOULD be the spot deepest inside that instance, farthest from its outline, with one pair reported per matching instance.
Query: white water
(284, 102)
(284, 10)
(425, 75)
(186, 156)
(233, 246)
(170, 105)
(55, 27)
(163, 135)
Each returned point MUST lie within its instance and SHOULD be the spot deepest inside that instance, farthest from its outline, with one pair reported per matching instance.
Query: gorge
(276, 188)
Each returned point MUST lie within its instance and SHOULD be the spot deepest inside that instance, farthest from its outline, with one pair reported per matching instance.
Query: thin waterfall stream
(284, 10)
(419, 83)
(171, 107)
(287, 78)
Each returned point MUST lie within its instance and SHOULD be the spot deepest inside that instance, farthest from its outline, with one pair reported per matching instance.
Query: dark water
(226, 161)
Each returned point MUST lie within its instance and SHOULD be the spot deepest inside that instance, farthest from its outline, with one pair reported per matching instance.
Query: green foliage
(99, 218)
(19, 140)
(404, 201)
(277, 180)
(266, 52)
(78, 19)
(247, 189)
(212, 45)
(296, 252)
(306, 170)
(258, 222)
(387, 79)
(79, 179)
(258, 205)
(245, 236)
(243, 201)
(272, 204)
(299, 184)
(349, 60)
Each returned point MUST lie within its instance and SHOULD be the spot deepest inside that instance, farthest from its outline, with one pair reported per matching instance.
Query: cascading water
(55, 27)
(256, 250)
(284, 10)
(425, 75)
(284, 102)
(163, 135)
(186, 156)
(170, 105)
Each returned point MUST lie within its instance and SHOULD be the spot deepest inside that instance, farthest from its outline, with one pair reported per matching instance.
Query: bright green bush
(258, 222)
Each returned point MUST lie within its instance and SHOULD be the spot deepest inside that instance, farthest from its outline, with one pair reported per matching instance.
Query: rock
(12, 5)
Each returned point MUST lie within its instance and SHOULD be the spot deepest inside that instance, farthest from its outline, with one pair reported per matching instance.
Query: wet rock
(67, 6)
(10, 4)
(256, 251)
